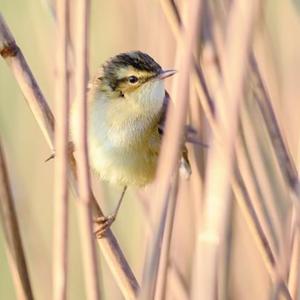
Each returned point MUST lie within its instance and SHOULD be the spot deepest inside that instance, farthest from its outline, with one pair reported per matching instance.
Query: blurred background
(118, 26)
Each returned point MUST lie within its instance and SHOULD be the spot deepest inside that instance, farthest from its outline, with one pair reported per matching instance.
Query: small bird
(127, 104)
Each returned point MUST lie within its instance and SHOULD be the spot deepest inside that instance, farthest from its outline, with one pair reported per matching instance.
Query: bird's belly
(123, 146)
(134, 165)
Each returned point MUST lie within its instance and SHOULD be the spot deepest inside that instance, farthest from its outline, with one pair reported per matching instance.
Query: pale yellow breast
(123, 142)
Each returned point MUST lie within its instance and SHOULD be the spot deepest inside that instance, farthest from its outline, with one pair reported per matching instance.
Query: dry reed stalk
(249, 203)
(84, 180)
(261, 173)
(263, 99)
(12, 54)
(281, 292)
(168, 160)
(284, 159)
(293, 274)
(60, 230)
(286, 164)
(269, 196)
(12, 235)
(172, 14)
(245, 203)
(220, 162)
(197, 159)
(243, 200)
(294, 266)
(287, 168)
(265, 104)
(272, 267)
(283, 155)
(174, 19)
(161, 285)
(151, 265)
(246, 174)
(270, 256)
(41, 111)
(194, 183)
(179, 289)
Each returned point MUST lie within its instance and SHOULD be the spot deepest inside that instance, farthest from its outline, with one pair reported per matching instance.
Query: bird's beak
(166, 73)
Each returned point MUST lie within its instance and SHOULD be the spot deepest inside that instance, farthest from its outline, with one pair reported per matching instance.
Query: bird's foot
(103, 224)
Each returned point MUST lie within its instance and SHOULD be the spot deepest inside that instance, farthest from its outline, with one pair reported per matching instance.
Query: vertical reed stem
(220, 161)
(60, 231)
(84, 181)
(12, 235)
(171, 146)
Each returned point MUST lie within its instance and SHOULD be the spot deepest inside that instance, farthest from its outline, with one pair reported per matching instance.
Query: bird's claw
(103, 224)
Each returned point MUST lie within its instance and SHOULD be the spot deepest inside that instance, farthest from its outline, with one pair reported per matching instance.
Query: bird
(126, 112)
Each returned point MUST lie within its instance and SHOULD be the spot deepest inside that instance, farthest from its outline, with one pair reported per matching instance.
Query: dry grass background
(235, 232)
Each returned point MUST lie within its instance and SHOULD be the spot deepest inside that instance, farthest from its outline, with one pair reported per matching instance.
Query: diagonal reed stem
(39, 107)
(12, 235)
(284, 157)
(221, 157)
(171, 13)
(84, 180)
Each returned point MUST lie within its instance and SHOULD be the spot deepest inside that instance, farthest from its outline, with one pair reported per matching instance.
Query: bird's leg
(104, 222)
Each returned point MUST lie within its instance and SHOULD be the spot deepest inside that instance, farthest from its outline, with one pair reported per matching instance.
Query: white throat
(149, 96)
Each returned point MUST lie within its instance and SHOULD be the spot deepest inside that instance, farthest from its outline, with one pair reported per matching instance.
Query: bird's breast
(123, 146)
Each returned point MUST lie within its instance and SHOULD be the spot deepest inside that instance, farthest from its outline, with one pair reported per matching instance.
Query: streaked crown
(136, 64)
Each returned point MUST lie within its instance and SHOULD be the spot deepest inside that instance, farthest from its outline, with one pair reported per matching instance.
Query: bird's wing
(185, 167)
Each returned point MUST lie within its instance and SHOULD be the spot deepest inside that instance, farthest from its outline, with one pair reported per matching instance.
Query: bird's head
(134, 76)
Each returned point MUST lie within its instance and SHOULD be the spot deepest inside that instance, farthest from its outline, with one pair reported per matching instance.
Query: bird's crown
(129, 66)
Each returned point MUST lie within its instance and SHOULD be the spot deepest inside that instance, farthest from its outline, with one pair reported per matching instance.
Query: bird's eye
(132, 79)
